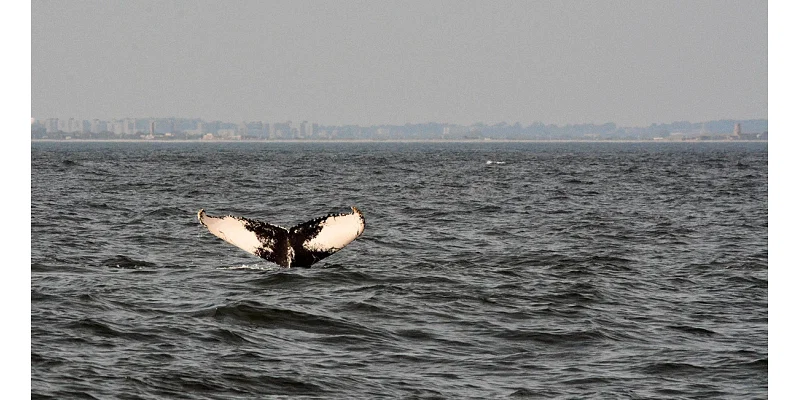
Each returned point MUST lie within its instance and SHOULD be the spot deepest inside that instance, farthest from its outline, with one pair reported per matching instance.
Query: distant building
(118, 127)
(227, 133)
(75, 125)
(739, 135)
(97, 126)
(306, 130)
(129, 126)
(63, 125)
(241, 129)
(51, 125)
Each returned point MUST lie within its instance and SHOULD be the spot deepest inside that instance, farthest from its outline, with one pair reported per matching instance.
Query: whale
(300, 246)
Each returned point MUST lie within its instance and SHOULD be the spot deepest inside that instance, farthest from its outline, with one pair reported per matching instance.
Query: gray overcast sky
(349, 62)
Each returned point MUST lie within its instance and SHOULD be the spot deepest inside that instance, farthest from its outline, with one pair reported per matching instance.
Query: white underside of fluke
(336, 232)
(232, 230)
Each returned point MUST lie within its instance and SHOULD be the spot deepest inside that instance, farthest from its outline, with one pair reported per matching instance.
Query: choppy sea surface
(486, 270)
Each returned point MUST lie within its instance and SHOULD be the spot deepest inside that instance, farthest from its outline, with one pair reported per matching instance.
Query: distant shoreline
(394, 141)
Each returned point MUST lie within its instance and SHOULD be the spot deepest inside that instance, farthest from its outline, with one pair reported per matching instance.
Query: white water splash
(259, 267)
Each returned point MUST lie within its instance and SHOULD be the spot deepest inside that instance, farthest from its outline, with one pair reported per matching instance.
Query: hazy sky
(350, 62)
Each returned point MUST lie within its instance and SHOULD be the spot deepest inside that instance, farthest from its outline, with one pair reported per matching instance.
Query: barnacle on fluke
(300, 246)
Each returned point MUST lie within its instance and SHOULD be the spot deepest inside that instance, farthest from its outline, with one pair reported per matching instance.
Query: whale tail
(300, 246)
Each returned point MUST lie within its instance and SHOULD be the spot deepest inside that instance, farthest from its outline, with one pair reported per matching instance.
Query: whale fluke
(300, 246)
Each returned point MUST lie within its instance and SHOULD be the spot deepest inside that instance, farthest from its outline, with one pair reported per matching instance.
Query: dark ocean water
(571, 270)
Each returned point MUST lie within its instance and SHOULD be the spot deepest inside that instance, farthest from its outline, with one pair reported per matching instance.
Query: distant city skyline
(40, 119)
(630, 62)
(199, 129)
